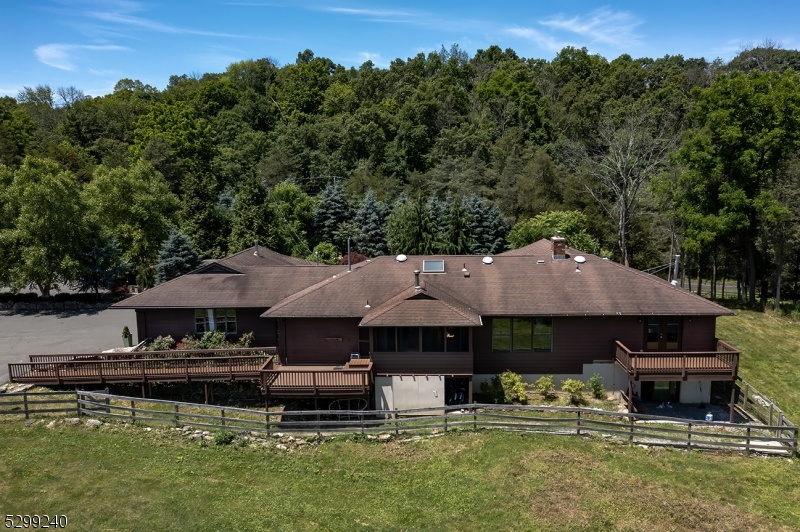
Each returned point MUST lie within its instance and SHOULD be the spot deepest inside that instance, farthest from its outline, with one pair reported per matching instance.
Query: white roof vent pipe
(256, 251)
(578, 261)
(487, 260)
(401, 258)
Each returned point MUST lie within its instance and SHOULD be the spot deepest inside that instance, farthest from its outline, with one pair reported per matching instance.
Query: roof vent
(256, 251)
(674, 282)
(416, 280)
(401, 258)
(487, 260)
(580, 259)
(464, 270)
(540, 261)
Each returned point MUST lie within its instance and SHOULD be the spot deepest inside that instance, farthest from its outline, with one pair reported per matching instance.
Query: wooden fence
(633, 428)
(35, 403)
(761, 407)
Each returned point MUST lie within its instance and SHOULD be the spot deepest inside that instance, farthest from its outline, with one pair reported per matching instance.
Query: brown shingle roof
(265, 257)
(427, 306)
(512, 285)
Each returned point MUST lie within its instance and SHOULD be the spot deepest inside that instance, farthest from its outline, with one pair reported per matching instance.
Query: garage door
(409, 391)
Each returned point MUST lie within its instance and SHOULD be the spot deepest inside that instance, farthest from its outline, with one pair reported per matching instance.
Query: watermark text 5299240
(35, 521)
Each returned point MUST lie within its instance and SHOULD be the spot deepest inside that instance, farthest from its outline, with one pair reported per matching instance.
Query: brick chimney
(558, 245)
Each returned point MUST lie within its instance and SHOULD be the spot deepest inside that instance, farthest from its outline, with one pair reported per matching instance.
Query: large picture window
(215, 319)
(420, 339)
(523, 335)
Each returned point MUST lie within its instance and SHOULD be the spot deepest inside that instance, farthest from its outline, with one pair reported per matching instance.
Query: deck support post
(144, 395)
(733, 398)
(205, 389)
(630, 395)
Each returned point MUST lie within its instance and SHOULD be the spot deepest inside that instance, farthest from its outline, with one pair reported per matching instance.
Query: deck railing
(314, 381)
(174, 353)
(724, 362)
(138, 370)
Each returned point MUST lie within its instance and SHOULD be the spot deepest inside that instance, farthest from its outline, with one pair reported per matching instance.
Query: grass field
(770, 360)
(116, 478)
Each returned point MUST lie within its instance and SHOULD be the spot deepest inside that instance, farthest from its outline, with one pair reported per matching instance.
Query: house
(435, 327)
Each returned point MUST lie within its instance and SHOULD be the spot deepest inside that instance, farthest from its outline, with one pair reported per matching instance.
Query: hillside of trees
(634, 159)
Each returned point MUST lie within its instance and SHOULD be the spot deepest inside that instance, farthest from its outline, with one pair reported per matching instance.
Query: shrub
(161, 343)
(126, 332)
(575, 390)
(595, 384)
(214, 340)
(545, 385)
(506, 388)
(224, 437)
(247, 340)
(189, 343)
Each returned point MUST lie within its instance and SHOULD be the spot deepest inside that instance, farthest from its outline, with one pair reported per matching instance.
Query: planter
(127, 341)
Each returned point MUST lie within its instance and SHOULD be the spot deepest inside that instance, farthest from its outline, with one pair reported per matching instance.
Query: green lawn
(770, 358)
(116, 478)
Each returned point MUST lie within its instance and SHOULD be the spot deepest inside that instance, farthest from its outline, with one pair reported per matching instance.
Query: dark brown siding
(699, 334)
(576, 341)
(180, 322)
(305, 340)
(422, 363)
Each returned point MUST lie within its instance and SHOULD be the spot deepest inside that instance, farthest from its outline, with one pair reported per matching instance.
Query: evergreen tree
(332, 211)
(488, 228)
(457, 238)
(370, 220)
(410, 229)
(101, 264)
(176, 257)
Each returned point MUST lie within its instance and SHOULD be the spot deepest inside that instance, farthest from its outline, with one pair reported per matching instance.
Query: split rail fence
(29, 404)
(633, 428)
(761, 407)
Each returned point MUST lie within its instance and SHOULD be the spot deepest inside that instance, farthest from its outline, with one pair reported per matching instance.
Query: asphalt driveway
(42, 332)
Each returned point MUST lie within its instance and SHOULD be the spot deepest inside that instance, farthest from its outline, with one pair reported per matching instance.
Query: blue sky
(91, 44)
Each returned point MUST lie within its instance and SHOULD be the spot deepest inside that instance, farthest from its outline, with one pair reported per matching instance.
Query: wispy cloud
(61, 55)
(153, 25)
(545, 41)
(368, 12)
(615, 28)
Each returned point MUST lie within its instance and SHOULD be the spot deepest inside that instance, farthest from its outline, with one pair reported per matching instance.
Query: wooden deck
(142, 370)
(722, 364)
(353, 379)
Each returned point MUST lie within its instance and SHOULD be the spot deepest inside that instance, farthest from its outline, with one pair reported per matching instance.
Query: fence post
(222, 416)
(77, 403)
(630, 437)
(177, 415)
(770, 414)
(474, 420)
(25, 403)
(362, 423)
(747, 442)
(396, 424)
(579, 423)
(108, 402)
(266, 414)
(779, 432)
(445, 419)
(319, 434)
(133, 411)
(689, 438)
(744, 399)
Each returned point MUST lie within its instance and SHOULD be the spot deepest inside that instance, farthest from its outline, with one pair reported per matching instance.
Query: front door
(662, 333)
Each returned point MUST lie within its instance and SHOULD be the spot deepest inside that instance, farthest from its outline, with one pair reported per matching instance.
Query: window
(672, 332)
(215, 319)
(384, 339)
(433, 339)
(522, 334)
(407, 339)
(457, 339)
(653, 332)
(420, 339)
(432, 266)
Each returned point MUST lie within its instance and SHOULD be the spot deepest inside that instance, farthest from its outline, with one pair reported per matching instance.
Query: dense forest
(634, 159)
